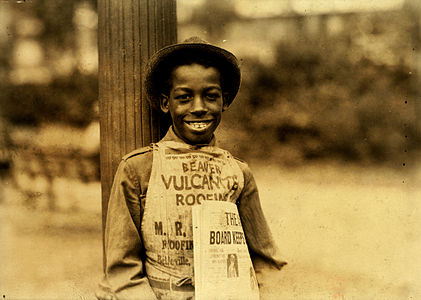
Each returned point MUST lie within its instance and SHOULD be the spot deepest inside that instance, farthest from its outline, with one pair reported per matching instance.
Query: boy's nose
(198, 106)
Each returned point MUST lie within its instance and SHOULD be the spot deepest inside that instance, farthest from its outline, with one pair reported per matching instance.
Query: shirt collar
(172, 136)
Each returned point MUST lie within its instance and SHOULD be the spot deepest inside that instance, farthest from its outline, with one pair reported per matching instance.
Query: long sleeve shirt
(125, 276)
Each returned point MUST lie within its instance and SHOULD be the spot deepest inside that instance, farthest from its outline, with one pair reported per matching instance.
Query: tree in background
(346, 97)
(49, 76)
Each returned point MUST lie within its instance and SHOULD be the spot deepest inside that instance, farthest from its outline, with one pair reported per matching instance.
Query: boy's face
(195, 102)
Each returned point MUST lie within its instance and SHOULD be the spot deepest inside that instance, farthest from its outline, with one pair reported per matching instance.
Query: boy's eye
(183, 97)
(213, 96)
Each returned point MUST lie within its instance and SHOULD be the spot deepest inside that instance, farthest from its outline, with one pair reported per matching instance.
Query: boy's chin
(193, 136)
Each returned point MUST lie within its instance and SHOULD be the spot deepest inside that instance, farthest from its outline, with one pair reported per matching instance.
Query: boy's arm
(124, 276)
(258, 235)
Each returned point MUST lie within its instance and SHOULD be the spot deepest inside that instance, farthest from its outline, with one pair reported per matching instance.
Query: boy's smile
(195, 102)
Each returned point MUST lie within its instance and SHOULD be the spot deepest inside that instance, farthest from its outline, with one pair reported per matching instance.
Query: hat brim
(165, 59)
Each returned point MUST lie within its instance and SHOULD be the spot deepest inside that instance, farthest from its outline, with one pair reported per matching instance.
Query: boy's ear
(225, 101)
(164, 103)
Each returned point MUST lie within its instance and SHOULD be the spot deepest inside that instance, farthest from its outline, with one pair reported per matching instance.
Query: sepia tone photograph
(118, 117)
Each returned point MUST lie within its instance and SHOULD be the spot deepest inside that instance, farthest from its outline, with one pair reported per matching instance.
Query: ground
(347, 232)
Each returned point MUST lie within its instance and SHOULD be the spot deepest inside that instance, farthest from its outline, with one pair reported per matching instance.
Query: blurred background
(327, 117)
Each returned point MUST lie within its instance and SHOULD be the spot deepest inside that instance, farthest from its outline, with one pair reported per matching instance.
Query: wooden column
(129, 32)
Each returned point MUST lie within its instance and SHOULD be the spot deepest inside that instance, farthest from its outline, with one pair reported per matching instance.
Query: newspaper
(222, 264)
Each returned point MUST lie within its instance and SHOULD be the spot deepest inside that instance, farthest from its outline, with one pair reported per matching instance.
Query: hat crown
(195, 40)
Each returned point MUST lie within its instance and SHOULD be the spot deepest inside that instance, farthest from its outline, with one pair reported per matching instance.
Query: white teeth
(198, 125)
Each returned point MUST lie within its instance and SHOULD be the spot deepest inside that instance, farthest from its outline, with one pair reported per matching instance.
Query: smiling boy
(195, 102)
(148, 235)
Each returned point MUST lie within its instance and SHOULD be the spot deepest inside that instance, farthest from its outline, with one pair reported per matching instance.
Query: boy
(148, 235)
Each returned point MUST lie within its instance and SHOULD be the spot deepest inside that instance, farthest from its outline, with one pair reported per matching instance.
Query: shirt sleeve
(124, 276)
(258, 235)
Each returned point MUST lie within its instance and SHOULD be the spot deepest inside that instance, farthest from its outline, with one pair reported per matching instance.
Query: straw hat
(163, 62)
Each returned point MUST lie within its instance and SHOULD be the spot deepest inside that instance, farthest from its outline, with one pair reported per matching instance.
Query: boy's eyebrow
(188, 89)
(213, 87)
(181, 88)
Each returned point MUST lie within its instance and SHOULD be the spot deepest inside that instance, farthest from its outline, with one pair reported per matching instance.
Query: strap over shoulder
(136, 152)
